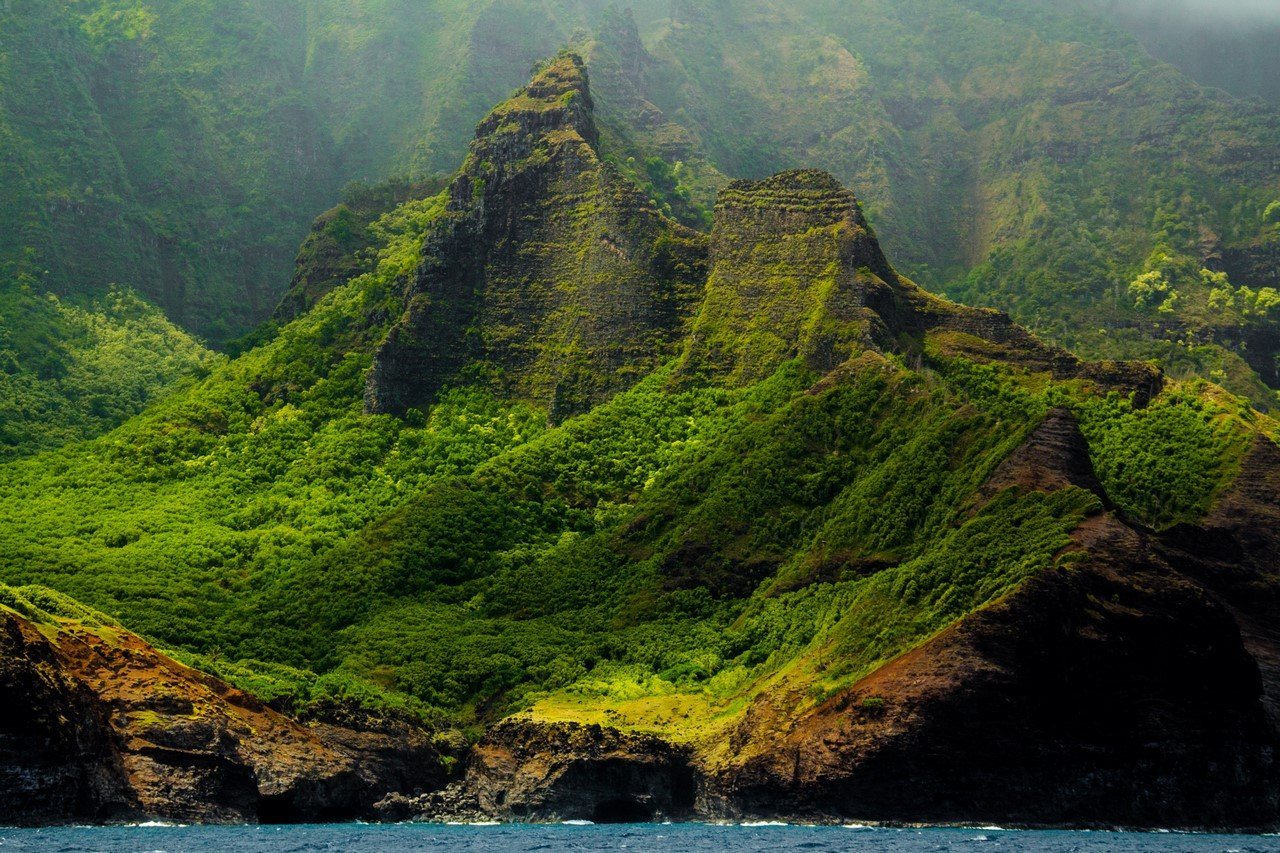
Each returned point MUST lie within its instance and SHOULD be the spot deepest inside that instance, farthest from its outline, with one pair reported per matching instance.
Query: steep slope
(100, 726)
(547, 269)
(180, 148)
(71, 372)
(1028, 157)
(162, 147)
(1084, 693)
(804, 531)
(795, 272)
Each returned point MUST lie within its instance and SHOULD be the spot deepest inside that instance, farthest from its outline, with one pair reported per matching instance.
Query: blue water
(632, 838)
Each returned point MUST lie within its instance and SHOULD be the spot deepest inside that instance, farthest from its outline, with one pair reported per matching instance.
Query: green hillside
(801, 512)
(69, 372)
(1028, 156)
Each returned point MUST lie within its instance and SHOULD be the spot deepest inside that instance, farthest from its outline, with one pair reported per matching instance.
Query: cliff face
(548, 273)
(796, 272)
(525, 771)
(1136, 686)
(1133, 686)
(1116, 693)
(99, 726)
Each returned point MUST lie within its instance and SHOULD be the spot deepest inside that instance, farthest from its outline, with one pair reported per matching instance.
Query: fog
(1202, 11)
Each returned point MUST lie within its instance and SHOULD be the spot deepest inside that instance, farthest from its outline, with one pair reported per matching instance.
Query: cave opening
(622, 810)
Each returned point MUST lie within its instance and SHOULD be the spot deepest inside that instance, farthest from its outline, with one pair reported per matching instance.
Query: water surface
(358, 838)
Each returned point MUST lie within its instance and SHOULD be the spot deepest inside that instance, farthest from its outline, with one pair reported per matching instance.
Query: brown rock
(100, 726)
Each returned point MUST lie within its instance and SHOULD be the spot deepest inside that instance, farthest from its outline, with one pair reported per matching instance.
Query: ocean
(634, 838)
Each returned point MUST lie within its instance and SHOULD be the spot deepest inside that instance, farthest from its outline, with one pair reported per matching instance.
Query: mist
(1199, 12)
(1233, 45)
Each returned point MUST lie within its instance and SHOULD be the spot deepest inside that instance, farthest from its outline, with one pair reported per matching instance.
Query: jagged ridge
(548, 272)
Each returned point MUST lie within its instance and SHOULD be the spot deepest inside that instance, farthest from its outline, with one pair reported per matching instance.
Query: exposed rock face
(99, 726)
(785, 280)
(1233, 552)
(549, 273)
(1255, 264)
(333, 252)
(1116, 691)
(797, 273)
(1136, 686)
(1053, 457)
(536, 772)
(624, 80)
(57, 757)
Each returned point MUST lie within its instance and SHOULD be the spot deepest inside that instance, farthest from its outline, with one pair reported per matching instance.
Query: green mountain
(70, 371)
(642, 521)
(180, 149)
(1022, 156)
(1027, 158)
(1030, 157)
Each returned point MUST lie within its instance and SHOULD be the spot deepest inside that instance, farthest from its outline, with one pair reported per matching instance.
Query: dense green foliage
(1024, 155)
(471, 560)
(68, 372)
(704, 533)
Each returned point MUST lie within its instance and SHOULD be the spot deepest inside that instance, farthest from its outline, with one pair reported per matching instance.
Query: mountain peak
(557, 98)
(792, 257)
(797, 272)
(549, 272)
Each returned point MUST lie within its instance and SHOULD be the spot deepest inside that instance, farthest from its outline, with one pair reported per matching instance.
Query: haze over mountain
(1027, 156)
(536, 504)
(1231, 45)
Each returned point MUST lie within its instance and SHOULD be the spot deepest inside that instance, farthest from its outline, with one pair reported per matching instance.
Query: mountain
(71, 371)
(638, 521)
(180, 149)
(1025, 156)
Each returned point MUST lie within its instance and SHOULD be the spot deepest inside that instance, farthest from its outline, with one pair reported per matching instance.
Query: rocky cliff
(99, 726)
(1120, 690)
(549, 273)
(797, 272)
(1133, 685)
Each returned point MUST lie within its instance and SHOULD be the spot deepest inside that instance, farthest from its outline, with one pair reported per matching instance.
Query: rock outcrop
(99, 726)
(796, 272)
(1054, 456)
(528, 771)
(1135, 685)
(549, 273)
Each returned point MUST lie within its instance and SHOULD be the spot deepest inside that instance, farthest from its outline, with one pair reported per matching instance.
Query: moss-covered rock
(549, 274)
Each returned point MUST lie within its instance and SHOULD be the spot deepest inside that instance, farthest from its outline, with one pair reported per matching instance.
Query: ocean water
(635, 838)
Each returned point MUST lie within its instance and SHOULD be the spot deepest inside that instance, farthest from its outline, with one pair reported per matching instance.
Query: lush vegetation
(689, 542)
(701, 537)
(1027, 156)
(69, 372)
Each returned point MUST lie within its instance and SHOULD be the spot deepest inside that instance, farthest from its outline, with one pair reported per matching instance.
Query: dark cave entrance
(622, 810)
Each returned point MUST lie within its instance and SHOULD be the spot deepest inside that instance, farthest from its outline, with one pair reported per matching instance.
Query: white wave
(578, 822)
(765, 823)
